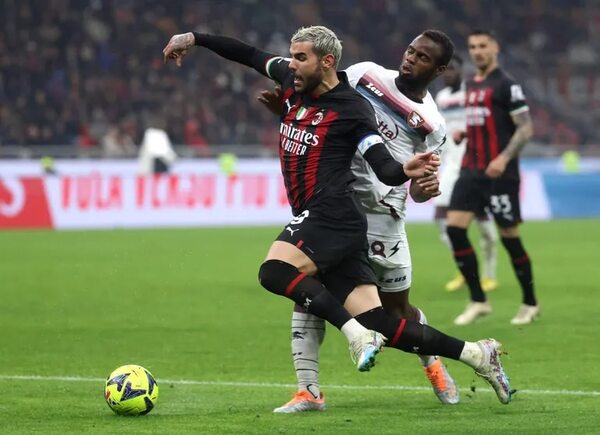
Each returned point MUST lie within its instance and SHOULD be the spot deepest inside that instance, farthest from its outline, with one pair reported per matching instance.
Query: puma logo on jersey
(288, 105)
(292, 231)
(415, 120)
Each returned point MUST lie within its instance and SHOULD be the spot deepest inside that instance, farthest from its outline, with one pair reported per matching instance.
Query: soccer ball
(131, 390)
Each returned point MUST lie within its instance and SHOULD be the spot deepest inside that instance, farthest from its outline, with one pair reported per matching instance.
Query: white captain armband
(368, 141)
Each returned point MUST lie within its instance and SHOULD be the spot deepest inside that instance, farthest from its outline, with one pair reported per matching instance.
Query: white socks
(308, 332)
(472, 355)
(442, 225)
(488, 240)
(352, 329)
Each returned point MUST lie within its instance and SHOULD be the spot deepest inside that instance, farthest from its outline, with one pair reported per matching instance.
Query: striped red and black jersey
(490, 104)
(319, 135)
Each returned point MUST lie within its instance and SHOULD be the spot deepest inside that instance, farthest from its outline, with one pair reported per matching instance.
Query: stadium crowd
(92, 73)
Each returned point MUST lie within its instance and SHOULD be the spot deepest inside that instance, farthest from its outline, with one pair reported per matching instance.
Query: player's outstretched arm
(229, 48)
(393, 173)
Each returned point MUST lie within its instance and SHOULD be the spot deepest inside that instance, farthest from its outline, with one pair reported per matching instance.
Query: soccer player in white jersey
(409, 121)
(451, 102)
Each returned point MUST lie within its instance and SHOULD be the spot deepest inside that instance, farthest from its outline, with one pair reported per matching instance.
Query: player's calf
(411, 336)
(286, 280)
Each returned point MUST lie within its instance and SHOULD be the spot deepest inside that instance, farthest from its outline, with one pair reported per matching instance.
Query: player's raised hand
(178, 47)
(272, 100)
(422, 165)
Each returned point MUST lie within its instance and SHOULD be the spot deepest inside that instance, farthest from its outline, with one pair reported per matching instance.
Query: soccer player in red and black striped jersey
(498, 127)
(323, 124)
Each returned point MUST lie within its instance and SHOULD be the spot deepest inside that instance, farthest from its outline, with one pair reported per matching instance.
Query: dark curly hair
(443, 41)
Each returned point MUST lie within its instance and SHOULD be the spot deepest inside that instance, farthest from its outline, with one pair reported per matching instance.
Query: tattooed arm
(521, 136)
(519, 139)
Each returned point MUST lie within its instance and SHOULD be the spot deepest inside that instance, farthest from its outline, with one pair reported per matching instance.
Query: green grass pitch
(186, 305)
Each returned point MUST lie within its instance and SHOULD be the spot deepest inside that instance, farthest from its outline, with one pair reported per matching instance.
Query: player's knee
(397, 305)
(277, 275)
(400, 312)
(510, 232)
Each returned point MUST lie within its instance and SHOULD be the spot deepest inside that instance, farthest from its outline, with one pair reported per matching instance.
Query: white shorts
(389, 253)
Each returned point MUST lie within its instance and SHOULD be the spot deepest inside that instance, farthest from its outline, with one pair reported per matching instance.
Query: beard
(310, 82)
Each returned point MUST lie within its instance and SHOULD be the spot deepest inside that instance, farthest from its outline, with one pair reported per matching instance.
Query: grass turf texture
(186, 305)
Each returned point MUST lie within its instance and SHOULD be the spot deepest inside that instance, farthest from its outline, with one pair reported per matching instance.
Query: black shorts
(499, 195)
(334, 236)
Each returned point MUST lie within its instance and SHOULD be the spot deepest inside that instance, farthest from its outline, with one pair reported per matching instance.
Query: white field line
(278, 385)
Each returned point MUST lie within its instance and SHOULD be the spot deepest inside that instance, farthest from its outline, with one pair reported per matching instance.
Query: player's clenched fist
(178, 47)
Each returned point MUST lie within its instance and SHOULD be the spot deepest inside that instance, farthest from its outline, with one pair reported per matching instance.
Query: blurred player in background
(498, 127)
(156, 153)
(451, 102)
(409, 121)
(323, 124)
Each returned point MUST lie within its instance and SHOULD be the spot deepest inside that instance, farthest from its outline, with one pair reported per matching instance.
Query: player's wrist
(409, 172)
(506, 156)
(199, 38)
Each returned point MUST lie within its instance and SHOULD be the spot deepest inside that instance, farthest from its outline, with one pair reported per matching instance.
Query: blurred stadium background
(84, 80)
(80, 84)
(77, 75)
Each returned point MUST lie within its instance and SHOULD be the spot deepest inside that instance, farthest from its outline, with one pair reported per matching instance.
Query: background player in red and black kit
(498, 127)
(324, 124)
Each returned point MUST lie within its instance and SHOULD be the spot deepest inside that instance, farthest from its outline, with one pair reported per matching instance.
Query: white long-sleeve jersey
(408, 127)
(452, 108)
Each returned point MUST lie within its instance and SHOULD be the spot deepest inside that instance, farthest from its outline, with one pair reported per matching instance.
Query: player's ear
(440, 70)
(327, 62)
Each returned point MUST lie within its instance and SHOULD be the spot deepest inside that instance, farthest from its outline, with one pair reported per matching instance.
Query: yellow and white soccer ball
(131, 390)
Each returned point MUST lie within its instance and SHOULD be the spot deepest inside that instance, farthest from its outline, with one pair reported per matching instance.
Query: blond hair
(323, 39)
